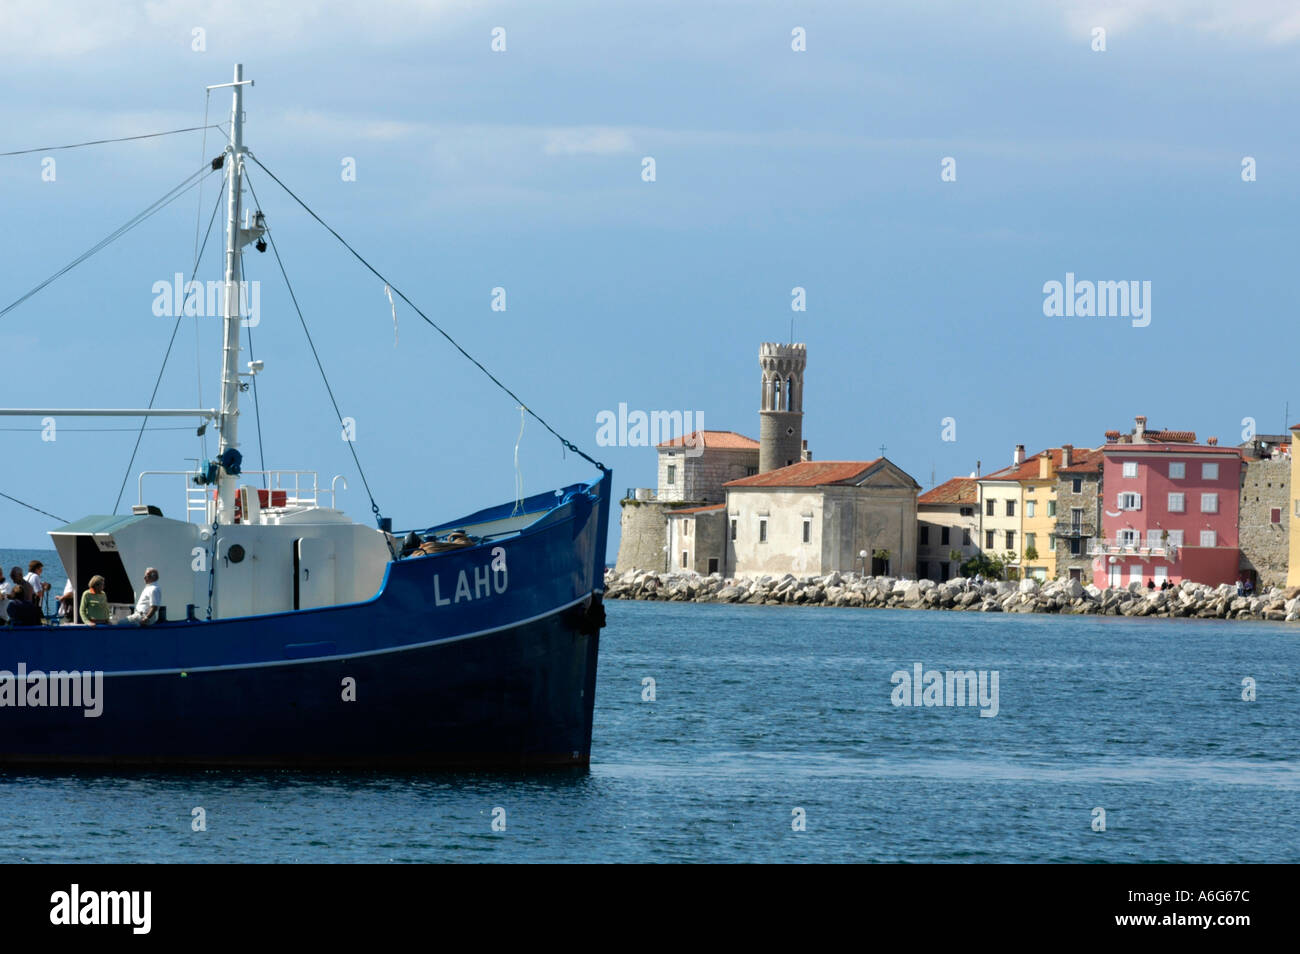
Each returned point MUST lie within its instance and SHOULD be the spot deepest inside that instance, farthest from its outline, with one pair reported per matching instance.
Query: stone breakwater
(1069, 597)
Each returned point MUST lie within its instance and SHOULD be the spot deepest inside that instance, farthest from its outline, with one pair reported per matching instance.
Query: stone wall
(643, 534)
(1086, 500)
(1265, 486)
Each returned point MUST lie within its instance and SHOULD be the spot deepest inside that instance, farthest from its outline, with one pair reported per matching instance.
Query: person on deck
(33, 579)
(94, 603)
(147, 606)
(65, 601)
(16, 588)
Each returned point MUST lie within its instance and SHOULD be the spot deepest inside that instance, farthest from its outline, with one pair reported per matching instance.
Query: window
(1208, 538)
(1128, 538)
(1135, 573)
(733, 528)
(1209, 472)
(1130, 501)
(1153, 537)
(1051, 544)
(925, 535)
(988, 539)
(1051, 508)
(807, 531)
(762, 531)
(1011, 508)
(965, 537)
(686, 528)
(922, 570)
(1076, 519)
(1177, 470)
(988, 507)
(751, 471)
(1076, 485)
(713, 565)
(683, 559)
(1130, 468)
(1275, 515)
(968, 511)
(1209, 503)
(1031, 540)
(1177, 503)
(1011, 539)
(943, 535)
(1175, 538)
(943, 571)
(1029, 508)
(672, 474)
(1076, 546)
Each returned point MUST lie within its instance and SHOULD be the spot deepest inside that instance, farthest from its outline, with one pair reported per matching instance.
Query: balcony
(1075, 530)
(1138, 548)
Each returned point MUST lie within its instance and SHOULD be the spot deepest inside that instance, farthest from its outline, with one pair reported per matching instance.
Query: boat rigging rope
(30, 507)
(257, 407)
(567, 444)
(374, 507)
(175, 327)
(100, 142)
(170, 196)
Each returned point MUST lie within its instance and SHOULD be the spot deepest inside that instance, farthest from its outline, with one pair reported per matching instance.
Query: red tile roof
(809, 473)
(719, 440)
(959, 490)
(694, 510)
(1083, 460)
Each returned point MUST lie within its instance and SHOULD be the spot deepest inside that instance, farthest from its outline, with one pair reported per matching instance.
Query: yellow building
(1018, 514)
(1038, 552)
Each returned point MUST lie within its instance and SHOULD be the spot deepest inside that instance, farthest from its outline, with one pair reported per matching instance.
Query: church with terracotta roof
(726, 503)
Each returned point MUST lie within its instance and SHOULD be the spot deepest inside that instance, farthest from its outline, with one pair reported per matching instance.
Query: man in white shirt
(33, 578)
(146, 607)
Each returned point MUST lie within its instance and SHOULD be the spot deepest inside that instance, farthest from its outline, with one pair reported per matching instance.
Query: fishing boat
(288, 634)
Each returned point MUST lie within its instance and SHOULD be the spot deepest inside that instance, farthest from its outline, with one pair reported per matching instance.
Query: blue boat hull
(484, 656)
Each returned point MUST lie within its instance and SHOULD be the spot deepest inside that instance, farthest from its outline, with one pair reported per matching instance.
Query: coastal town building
(1001, 514)
(1078, 510)
(817, 517)
(1293, 517)
(1263, 526)
(1169, 511)
(948, 527)
(695, 466)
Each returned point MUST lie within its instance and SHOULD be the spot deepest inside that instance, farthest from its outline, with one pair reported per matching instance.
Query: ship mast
(236, 239)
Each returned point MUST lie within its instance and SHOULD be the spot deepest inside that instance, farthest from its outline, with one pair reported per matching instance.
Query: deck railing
(301, 488)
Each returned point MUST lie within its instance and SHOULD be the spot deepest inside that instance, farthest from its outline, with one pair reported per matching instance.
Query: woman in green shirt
(94, 603)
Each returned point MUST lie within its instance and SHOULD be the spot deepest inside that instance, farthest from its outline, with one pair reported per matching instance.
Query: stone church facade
(730, 505)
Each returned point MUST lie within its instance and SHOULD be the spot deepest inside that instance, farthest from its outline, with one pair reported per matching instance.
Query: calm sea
(767, 716)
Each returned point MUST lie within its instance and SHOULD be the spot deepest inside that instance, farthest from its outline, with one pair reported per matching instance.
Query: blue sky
(775, 169)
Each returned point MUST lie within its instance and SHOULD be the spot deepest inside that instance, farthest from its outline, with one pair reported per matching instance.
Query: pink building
(1169, 510)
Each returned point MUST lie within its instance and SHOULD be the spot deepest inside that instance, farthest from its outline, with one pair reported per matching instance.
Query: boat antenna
(228, 456)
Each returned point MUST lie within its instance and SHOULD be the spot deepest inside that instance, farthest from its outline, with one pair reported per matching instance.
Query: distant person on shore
(1151, 583)
(94, 603)
(1249, 588)
(146, 607)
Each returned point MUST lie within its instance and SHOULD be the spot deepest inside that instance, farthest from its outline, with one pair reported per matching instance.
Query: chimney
(1212, 441)
(1044, 465)
(804, 452)
(1019, 456)
(977, 469)
(1140, 430)
(1067, 455)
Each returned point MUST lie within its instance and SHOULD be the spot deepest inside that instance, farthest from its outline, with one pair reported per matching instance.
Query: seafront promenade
(1064, 597)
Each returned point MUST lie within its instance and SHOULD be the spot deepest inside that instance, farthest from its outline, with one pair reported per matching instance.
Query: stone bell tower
(780, 420)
